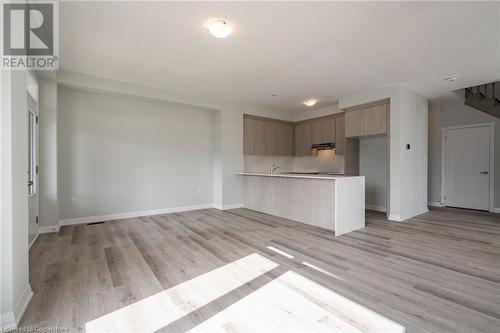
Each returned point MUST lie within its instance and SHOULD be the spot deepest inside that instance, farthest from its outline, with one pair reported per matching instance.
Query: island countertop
(295, 175)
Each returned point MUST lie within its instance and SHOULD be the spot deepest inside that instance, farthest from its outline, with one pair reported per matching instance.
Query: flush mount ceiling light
(451, 78)
(219, 28)
(310, 101)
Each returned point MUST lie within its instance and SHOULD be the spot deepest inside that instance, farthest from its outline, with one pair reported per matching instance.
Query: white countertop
(286, 175)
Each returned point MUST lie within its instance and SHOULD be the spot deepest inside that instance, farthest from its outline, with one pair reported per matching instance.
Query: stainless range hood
(323, 146)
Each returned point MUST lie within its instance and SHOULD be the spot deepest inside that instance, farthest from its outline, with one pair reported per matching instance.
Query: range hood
(323, 146)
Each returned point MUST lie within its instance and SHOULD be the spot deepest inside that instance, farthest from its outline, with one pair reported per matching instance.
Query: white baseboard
(110, 217)
(394, 217)
(11, 320)
(435, 204)
(399, 218)
(22, 304)
(232, 206)
(496, 210)
(49, 229)
(34, 239)
(376, 208)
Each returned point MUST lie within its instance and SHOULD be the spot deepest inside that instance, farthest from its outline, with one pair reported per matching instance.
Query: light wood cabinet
(354, 126)
(329, 130)
(303, 139)
(340, 135)
(375, 120)
(317, 129)
(371, 120)
(265, 136)
(284, 139)
(323, 130)
(262, 136)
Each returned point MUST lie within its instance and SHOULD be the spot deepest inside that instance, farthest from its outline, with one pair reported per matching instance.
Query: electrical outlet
(74, 201)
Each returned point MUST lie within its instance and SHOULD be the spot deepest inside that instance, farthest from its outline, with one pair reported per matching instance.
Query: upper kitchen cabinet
(303, 138)
(265, 136)
(323, 130)
(284, 139)
(370, 120)
(375, 119)
(340, 135)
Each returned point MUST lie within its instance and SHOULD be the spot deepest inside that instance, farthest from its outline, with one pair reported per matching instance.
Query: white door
(467, 167)
(32, 169)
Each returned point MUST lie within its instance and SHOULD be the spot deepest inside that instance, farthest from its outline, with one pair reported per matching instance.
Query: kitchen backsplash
(326, 161)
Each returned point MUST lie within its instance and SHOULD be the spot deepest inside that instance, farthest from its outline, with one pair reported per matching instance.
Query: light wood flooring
(241, 270)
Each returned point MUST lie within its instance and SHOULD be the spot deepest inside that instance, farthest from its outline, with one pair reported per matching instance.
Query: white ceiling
(297, 50)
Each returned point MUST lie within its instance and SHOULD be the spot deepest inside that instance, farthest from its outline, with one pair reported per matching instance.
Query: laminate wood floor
(241, 271)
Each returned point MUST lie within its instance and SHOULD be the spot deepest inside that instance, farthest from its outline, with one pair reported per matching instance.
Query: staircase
(485, 97)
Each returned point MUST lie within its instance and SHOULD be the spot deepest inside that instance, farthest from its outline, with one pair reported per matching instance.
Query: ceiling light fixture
(219, 28)
(310, 102)
(451, 78)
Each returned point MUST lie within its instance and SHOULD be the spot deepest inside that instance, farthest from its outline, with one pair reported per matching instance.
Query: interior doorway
(467, 167)
(32, 169)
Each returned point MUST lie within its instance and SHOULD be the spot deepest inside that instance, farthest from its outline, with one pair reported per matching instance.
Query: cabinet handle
(484, 172)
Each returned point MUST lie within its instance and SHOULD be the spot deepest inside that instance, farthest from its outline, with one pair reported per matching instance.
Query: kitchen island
(332, 202)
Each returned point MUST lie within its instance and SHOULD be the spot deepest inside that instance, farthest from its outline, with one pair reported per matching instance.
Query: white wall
(48, 152)
(228, 124)
(456, 114)
(120, 155)
(373, 165)
(15, 288)
(408, 168)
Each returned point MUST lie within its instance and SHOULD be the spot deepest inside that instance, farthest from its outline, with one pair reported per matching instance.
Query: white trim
(394, 217)
(22, 304)
(399, 218)
(48, 229)
(492, 159)
(225, 207)
(420, 212)
(109, 217)
(376, 208)
(496, 210)
(34, 239)
(11, 320)
(435, 204)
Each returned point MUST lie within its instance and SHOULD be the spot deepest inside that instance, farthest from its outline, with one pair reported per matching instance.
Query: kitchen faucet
(274, 166)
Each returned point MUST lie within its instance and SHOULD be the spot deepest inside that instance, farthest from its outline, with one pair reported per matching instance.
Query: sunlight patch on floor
(294, 303)
(283, 253)
(321, 270)
(161, 309)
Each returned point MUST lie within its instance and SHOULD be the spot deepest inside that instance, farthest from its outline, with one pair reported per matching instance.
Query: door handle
(484, 172)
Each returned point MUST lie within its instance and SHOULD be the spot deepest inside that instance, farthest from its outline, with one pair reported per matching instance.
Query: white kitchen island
(332, 202)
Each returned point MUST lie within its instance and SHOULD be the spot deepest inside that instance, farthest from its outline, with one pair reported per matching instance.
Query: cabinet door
(375, 120)
(284, 139)
(329, 130)
(252, 136)
(317, 131)
(269, 140)
(354, 126)
(340, 135)
(303, 139)
(247, 136)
